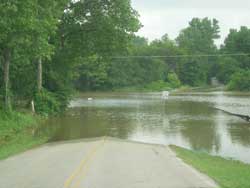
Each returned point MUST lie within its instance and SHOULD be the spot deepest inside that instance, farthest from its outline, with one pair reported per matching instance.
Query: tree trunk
(39, 75)
(6, 69)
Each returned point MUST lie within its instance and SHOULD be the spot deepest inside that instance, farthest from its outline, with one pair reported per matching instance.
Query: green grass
(227, 173)
(17, 133)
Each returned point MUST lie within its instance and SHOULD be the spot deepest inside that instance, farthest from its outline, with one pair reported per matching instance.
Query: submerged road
(100, 163)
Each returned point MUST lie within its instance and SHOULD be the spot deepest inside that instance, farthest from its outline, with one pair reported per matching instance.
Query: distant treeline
(189, 58)
(192, 59)
(50, 48)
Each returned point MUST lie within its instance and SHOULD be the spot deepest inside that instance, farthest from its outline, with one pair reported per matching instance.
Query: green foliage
(143, 71)
(199, 36)
(92, 73)
(46, 103)
(240, 81)
(134, 72)
(173, 80)
(63, 97)
(25, 29)
(238, 42)
(16, 22)
(227, 173)
(90, 33)
(191, 72)
(73, 39)
(226, 68)
(17, 133)
(12, 123)
(235, 71)
(22, 67)
(44, 27)
(94, 27)
(158, 86)
(78, 40)
(21, 142)
(198, 39)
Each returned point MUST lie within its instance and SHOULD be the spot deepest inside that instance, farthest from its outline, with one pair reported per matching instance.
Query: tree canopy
(49, 48)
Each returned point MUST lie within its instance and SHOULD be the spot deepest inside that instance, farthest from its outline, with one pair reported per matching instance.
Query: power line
(180, 56)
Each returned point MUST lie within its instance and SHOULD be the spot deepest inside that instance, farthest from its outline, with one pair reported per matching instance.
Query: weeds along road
(99, 163)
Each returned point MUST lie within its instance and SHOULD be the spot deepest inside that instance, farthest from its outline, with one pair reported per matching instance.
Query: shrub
(46, 103)
(63, 97)
(192, 73)
(240, 81)
(226, 68)
(12, 123)
(173, 80)
(158, 86)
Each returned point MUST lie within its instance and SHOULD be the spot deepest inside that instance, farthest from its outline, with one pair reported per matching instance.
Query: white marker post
(165, 95)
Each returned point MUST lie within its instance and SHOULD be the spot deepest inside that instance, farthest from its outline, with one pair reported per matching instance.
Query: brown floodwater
(190, 120)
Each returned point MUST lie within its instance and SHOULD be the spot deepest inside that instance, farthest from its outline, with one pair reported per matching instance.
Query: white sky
(170, 16)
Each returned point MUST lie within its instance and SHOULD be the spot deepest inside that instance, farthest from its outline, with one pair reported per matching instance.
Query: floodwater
(190, 120)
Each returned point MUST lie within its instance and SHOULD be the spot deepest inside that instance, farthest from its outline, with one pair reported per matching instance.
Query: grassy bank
(227, 173)
(17, 133)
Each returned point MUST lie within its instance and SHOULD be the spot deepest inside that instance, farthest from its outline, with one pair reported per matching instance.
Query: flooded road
(188, 120)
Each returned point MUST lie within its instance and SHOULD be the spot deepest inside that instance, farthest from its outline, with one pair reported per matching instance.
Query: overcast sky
(170, 16)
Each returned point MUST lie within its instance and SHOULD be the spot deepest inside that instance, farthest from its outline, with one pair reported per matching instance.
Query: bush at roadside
(173, 80)
(240, 81)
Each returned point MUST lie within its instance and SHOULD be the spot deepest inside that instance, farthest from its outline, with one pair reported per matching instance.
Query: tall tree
(15, 24)
(234, 70)
(238, 41)
(197, 39)
(95, 29)
(48, 14)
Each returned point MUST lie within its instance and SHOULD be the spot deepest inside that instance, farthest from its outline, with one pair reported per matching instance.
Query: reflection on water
(188, 120)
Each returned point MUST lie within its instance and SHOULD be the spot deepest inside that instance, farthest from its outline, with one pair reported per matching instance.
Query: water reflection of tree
(194, 121)
(89, 122)
(47, 129)
(190, 108)
(201, 134)
(240, 133)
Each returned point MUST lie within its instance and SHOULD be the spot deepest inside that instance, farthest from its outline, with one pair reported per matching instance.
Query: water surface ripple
(189, 120)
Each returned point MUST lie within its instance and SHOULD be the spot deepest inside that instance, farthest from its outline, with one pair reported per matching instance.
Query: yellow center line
(83, 163)
(84, 173)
